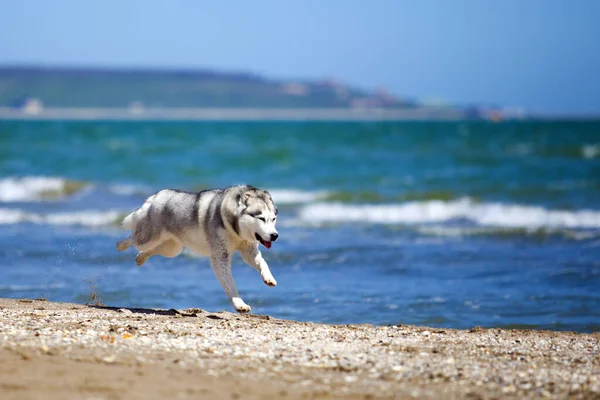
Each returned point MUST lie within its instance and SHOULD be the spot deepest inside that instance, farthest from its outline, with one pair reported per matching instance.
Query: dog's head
(258, 216)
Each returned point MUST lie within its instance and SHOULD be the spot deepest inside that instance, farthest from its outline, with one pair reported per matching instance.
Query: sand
(60, 350)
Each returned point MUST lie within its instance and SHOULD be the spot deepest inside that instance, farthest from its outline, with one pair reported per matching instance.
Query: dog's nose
(274, 236)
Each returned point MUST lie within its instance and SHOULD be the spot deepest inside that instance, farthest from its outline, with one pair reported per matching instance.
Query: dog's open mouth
(263, 242)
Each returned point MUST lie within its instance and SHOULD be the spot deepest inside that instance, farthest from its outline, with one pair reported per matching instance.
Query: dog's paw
(140, 259)
(240, 306)
(270, 281)
(124, 244)
(244, 309)
(267, 278)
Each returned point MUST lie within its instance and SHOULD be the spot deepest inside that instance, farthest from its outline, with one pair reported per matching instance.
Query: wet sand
(60, 350)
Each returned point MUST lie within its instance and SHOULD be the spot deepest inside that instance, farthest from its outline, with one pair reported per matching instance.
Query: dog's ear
(244, 197)
(268, 195)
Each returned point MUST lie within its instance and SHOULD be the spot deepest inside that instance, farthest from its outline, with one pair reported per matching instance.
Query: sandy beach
(60, 350)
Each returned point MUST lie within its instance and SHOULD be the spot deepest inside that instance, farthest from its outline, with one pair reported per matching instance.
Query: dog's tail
(128, 221)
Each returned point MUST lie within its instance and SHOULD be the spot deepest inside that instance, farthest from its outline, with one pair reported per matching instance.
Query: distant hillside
(75, 87)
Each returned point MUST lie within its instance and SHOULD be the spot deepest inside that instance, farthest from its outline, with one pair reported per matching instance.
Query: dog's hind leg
(124, 244)
(168, 248)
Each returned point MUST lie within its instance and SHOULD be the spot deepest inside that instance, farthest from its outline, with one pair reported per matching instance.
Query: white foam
(484, 214)
(91, 218)
(129, 190)
(293, 196)
(32, 287)
(591, 150)
(29, 188)
(462, 231)
(37, 188)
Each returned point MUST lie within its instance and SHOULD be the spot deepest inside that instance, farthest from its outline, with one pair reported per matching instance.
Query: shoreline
(231, 114)
(53, 350)
(216, 114)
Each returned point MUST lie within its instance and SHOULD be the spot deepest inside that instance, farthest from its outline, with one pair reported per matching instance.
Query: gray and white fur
(213, 223)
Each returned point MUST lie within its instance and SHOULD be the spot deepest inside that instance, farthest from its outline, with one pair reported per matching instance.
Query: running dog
(213, 223)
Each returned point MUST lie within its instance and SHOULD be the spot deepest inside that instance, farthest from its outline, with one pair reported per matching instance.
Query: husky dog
(213, 223)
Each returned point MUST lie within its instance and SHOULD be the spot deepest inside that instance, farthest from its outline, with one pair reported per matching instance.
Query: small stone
(109, 360)
(509, 389)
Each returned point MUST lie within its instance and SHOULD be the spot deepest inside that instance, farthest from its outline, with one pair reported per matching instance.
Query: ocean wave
(591, 150)
(20, 288)
(35, 188)
(43, 188)
(437, 211)
(91, 218)
(462, 231)
(130, 190)
(293, 196)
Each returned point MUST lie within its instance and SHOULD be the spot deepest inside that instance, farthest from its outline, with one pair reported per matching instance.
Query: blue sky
(543, 55)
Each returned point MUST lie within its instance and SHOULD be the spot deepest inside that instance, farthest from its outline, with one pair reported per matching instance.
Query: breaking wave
(34, 188)
(19, 288)
(92, 218)
(462, 231)
(293, 196)
(591, 150)
(43, 188)
(437, 211)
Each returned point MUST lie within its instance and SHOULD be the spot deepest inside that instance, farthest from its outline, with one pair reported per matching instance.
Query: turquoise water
(452, 224)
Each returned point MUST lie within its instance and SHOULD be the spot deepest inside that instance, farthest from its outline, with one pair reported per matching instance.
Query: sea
(444, 224)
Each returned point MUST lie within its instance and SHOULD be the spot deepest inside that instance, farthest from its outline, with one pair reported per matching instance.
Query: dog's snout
(274, 236)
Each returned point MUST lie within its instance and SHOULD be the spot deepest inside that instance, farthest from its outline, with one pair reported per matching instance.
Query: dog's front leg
(252, 256)
(221, 265)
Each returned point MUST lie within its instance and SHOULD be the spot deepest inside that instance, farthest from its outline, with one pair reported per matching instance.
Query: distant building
(32, 106)
(435, 102)
(136, 108)
(295, 89)
(364, 102)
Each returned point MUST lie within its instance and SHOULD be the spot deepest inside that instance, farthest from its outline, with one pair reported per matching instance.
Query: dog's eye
(274, 219)
(262, 219)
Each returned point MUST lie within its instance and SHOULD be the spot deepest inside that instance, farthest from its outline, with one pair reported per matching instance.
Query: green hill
(87, 87)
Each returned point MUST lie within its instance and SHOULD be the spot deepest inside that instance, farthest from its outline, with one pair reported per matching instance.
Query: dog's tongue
(267, 244)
